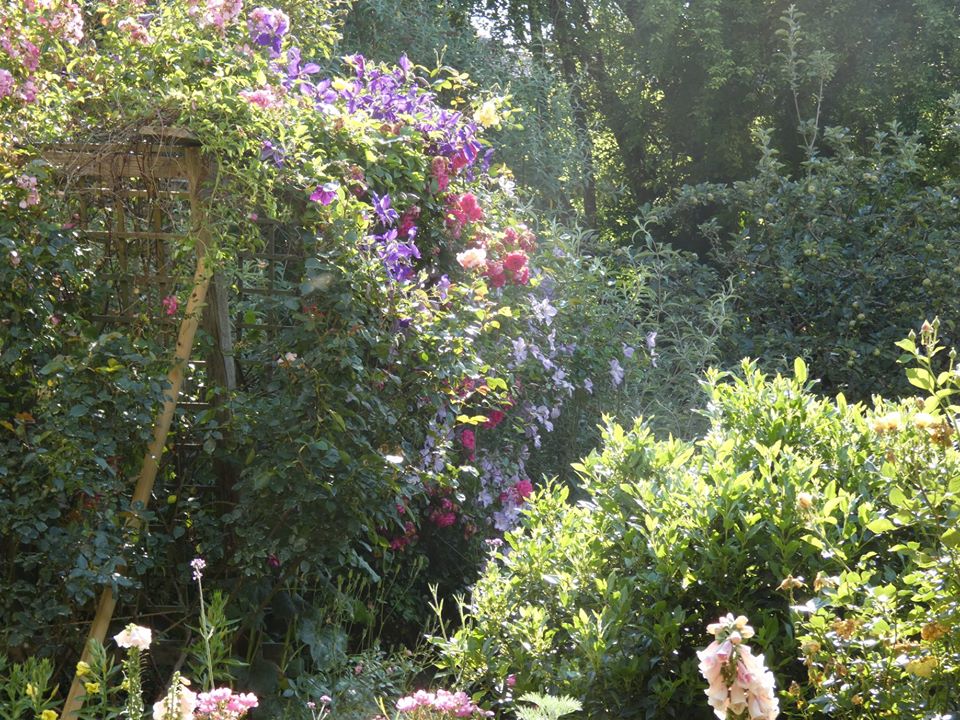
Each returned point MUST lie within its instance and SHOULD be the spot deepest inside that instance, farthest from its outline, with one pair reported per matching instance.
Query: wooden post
(175, 377)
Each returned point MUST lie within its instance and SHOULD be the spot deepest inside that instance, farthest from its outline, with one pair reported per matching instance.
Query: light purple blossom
(274, 153)
(543, 310)
(198, 565)
(588, 385)
(616, 372)
(443, 286)
(627, 351)
(519, 350)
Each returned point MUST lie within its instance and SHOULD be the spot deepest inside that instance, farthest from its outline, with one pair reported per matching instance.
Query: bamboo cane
(175, 377)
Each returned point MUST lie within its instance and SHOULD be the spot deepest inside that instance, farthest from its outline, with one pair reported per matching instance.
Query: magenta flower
(326, 193)
(524, 489)
(515, 261)
(222, 704)
(170, 305)
(468, 439)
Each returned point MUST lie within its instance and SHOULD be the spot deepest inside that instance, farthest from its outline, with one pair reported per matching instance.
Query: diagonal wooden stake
(175, 377)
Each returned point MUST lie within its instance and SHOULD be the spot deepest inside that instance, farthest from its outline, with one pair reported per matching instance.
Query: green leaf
(880, 526)
(897, 498)
(951, 538)
(921, 378)
(800, 370)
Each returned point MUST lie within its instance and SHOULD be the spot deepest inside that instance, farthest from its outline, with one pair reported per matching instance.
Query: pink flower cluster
(739, 682)
(61, 19)
(136, 30)
(409, 536)
(461, 210)
(215, 13)
(440, 169)
(28, 183)
(266, 98)
(222, 704)
(445, 515)
(444, 702)
(25, 28)
(502, 259)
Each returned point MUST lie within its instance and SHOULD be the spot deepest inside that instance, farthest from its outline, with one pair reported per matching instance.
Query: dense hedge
(608, 600)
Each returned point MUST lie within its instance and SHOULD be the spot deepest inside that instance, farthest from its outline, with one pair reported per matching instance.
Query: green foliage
(26, 690)
(210, 660)
(881, 643)
(663, 304)
(76, 405)
(607, 600)
(672, 91)
(837, 262)
(546, 707)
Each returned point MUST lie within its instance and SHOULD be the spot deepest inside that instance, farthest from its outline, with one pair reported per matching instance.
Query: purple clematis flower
(267, 27)
(274, 153)
(298, 74)
(381, 206)
(326, 193)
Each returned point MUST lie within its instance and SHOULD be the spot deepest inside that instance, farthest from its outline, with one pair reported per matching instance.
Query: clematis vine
(267, 27)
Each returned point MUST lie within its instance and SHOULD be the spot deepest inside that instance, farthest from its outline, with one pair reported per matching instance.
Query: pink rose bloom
(524, 488)
(515, 261)
(469, 207)
(472, 258)
(264, 98)
(496, 274)
(494, 418)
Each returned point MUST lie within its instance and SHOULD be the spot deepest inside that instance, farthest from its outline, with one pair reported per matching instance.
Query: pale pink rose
(472, 258)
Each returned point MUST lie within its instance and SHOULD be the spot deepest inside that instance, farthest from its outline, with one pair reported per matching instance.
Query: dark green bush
(833, 264)
(608, 600)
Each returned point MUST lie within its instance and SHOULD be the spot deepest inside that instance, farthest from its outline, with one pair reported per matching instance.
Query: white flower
(178, 704)
(134, 636)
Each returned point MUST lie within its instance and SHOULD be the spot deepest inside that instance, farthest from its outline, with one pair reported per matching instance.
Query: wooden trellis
(144, 200)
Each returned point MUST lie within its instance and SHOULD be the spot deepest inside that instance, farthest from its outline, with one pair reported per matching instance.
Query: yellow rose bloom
(92, 688)
(487, 115)
(923, 667)
(49, 715)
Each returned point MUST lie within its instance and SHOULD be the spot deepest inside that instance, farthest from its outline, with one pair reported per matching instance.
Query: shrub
(606, 600)
(832, 264)
(882, 641)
